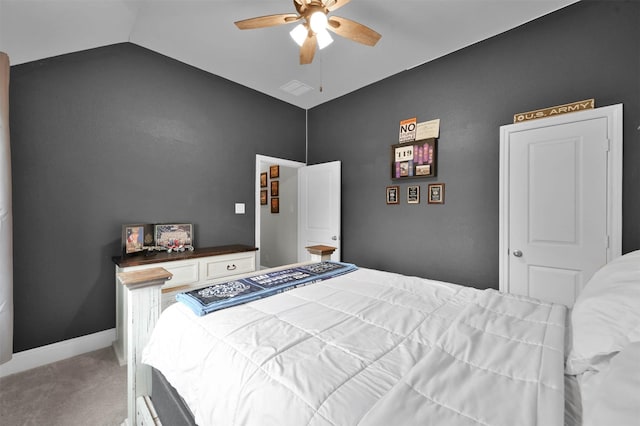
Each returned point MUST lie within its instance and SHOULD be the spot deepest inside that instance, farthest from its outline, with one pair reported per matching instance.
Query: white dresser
(191, 269)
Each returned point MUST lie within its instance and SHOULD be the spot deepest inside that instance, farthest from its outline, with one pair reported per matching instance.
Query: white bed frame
(144, 304)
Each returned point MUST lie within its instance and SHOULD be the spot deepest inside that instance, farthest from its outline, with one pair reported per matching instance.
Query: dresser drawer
(184, 273)
(231, 264)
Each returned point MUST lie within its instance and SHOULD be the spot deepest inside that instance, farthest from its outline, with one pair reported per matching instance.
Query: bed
(603, 345)
(377, 348)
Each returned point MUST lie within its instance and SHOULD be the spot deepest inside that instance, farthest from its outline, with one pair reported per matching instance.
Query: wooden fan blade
(267, 21)
(352, 30)
(337, 5)
(300, 5)
(308, 49)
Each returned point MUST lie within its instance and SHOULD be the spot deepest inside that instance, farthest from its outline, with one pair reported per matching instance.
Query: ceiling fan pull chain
(321, 75)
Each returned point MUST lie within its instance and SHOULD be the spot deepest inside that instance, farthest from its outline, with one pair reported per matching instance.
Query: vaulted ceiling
(202, 33)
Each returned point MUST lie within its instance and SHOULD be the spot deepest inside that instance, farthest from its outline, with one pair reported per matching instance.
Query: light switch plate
(239, 208)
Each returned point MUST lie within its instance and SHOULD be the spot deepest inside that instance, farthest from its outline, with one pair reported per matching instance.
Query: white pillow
(616, 400)
(606, 316)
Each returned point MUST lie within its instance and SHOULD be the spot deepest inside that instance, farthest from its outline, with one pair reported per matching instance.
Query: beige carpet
(86, 390)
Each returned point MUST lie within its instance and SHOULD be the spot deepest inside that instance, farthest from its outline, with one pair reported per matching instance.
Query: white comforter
(368, 348)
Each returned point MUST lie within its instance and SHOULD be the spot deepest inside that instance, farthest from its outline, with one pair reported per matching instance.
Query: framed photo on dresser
(174, 234)
(136, 237)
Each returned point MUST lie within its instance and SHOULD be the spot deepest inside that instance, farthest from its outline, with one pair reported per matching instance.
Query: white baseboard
(43, 355)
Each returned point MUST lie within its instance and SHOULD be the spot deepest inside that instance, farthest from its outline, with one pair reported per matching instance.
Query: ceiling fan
(316, 23)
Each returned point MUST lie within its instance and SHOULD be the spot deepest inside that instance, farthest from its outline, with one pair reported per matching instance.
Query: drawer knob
(231, 267)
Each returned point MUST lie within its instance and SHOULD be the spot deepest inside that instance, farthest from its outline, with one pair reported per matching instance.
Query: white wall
(279, 231)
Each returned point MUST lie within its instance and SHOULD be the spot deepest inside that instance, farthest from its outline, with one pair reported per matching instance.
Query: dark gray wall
(123, 135)
(587, 50)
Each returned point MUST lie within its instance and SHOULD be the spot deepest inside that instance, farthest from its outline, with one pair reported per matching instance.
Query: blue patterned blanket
(224, 295)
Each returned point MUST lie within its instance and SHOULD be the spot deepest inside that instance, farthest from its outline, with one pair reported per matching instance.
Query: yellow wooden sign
(556, 110)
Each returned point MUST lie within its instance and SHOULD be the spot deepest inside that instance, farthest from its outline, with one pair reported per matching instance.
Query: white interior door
(557, 204)
(319, 221)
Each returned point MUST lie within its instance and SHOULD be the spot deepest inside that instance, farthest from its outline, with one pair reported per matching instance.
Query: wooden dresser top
(162, 256)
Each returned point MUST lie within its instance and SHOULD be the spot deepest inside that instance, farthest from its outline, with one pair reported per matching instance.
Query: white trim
(615, 180)
(614, 176)
(260, 159)
(503, 212)
(43, 355)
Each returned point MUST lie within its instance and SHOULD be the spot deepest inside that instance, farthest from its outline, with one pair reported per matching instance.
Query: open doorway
(276, 234)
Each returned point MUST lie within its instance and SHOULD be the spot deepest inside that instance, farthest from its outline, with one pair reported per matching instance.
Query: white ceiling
(201, 33)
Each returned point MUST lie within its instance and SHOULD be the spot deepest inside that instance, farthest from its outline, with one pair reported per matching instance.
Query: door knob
(334, 238)
(517, 253)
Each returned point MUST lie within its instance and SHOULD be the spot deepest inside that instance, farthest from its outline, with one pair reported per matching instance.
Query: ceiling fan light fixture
(299, 34)
(324, 39)
(318, 22)
(312, 32)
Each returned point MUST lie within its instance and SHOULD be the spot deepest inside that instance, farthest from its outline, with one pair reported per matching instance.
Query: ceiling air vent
(296, 88)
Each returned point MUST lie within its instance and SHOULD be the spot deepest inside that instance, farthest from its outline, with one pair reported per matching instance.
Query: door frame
(613, 114)
(260, 160)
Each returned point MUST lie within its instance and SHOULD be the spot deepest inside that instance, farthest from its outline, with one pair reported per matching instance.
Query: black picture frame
(413, 194)
(414, 160)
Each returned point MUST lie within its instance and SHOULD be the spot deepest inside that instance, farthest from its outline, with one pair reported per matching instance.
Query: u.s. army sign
(560, 109)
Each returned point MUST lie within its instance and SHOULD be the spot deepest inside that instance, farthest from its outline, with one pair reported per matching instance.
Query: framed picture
(413, 194)
(133, 238)
(275, 205)
(423, 170)
(174, 234)
(393, 194)
(417, 159)
(436, 193)
(274, 172)
(263, 197)
(263, 180)
(275, 188)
